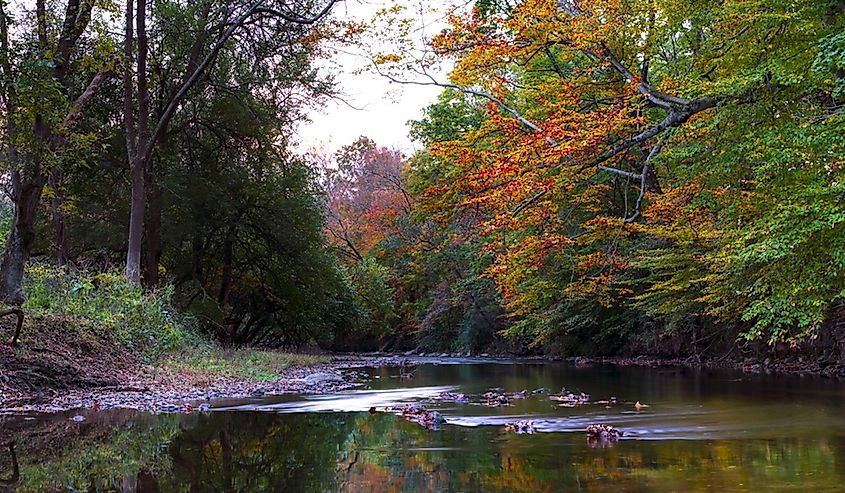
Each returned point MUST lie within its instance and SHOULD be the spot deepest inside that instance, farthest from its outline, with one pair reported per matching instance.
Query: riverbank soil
(66, 363)
(57, 354)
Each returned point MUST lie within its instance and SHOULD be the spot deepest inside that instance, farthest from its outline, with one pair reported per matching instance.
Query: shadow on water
(702, 432)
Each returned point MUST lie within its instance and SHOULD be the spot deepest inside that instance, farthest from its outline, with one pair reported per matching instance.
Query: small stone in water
(523, 427)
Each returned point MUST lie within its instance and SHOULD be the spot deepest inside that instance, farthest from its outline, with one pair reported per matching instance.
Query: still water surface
(702, 431)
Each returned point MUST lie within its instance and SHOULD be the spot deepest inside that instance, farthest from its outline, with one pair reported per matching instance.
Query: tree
(631, 154)
(367, 195)
(43, 104)
(218, 25)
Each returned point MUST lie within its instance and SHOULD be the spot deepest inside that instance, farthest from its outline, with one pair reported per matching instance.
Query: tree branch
(252, 9)
(644, 175)
(297, 19)
(656, 97)
(87, 95)
(675, 118)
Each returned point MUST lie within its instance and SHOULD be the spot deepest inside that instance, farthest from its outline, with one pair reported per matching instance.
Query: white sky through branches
(372, 105)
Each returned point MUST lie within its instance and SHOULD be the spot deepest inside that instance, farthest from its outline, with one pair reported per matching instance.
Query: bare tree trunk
(136, 223)
(21, 237)
(138, 151)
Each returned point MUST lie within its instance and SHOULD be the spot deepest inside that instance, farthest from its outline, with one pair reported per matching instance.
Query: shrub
(144, 322)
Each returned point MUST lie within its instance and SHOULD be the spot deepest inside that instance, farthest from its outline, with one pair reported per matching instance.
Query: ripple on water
(673, 422)
(350, 401)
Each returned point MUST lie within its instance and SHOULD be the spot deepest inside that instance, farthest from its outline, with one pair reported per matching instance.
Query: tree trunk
(21, 237)
(137, 146)
(226, 456)
(226, 277)
(136, 223)
(152, 220)
(28, 174)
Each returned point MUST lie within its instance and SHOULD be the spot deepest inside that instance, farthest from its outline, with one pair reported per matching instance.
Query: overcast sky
(376, 107)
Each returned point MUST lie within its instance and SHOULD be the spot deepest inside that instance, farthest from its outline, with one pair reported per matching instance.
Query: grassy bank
(85, 330)
(242, 364)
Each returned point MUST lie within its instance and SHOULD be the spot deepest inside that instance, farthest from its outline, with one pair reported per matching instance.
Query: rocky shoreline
(794, 366)
(340, 374)
(157, 397)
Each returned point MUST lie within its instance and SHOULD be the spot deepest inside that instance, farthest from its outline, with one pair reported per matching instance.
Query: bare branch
(527, 202)
(626, 174)
(675, 118)
(297, 19)
(447, 85)
(87, 95)
(656, 97)
(644, 176)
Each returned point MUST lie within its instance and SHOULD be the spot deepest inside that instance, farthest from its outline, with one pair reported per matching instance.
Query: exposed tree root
(15, 310)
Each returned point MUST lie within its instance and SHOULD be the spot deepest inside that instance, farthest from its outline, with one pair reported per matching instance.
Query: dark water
(701, 432)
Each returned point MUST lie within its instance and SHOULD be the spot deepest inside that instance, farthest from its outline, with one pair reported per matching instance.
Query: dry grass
(244, 364)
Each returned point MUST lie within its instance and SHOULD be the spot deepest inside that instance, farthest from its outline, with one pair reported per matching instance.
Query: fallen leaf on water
(603, 432)
(523, 427)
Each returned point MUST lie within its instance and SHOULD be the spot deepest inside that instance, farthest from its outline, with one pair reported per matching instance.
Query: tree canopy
(594, 177)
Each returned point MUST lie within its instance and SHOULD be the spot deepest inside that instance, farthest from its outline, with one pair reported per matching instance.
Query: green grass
(244, 364)
(146, 323)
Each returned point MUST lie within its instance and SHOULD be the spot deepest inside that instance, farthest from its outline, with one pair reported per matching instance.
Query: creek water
(701, 431)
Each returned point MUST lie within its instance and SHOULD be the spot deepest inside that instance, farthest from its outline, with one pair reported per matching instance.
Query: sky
(372, 105)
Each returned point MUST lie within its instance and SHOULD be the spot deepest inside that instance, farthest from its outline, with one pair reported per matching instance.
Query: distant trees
(416, 280)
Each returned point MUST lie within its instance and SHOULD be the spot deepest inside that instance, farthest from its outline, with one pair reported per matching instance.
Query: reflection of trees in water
(251, 452)
(400, 456)
(246, 452)
(103, 453)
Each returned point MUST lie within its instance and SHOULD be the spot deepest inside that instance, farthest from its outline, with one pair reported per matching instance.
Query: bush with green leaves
(144, 322)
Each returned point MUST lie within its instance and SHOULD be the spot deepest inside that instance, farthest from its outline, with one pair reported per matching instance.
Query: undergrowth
(145, 322)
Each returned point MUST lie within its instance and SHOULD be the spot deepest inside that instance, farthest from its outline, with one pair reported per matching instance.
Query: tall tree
(647, 164)
(39, 81)
(219, 24)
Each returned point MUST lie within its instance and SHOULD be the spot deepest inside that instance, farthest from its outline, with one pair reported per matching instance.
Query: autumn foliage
(631, 172)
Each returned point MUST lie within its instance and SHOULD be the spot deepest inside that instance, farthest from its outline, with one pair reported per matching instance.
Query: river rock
(322, 377)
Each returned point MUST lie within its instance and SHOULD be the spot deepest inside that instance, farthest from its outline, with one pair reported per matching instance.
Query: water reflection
(702, 433)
